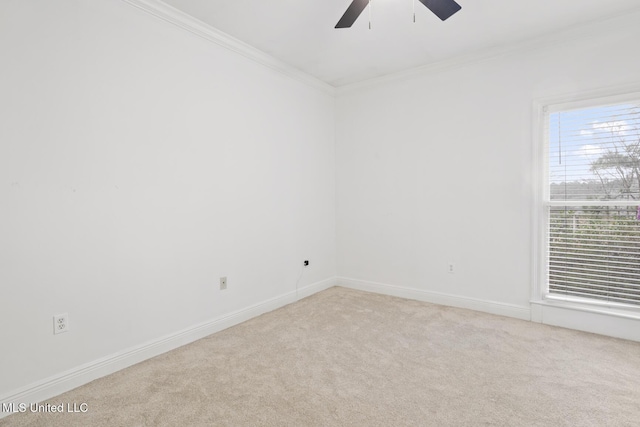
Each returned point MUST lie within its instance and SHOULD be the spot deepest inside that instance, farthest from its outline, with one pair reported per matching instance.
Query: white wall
(138, 164)
(437, 167)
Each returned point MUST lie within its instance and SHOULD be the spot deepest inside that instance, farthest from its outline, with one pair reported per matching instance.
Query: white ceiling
(301, 32)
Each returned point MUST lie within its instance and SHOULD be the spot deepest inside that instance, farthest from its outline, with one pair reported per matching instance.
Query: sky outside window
(594, 153)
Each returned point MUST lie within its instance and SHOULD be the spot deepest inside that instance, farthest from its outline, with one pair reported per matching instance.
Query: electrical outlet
(452, 268)
(306, 263)
(60, 323)
(223, 283)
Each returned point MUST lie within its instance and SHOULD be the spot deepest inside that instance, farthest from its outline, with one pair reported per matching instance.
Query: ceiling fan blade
(442, 8)
(353, 11)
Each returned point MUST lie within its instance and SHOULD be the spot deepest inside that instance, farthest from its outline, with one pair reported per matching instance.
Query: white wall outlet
(223, 283)
(451, 268)
(60, 323)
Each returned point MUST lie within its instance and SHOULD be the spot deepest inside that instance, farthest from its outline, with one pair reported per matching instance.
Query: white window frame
(541, 200)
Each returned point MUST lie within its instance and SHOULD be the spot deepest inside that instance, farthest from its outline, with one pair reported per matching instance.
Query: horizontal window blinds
(593, 204)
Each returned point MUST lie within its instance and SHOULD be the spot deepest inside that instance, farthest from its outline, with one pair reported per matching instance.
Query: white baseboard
(65, 381)
(492, 307)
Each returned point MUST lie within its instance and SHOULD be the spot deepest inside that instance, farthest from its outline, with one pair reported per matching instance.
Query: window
(591, 201)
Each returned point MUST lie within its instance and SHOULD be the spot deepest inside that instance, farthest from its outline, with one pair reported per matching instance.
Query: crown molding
(182, 20)
(578, 32)
(168, 13)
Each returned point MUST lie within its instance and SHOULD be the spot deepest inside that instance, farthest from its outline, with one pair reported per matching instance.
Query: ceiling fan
(442, 8)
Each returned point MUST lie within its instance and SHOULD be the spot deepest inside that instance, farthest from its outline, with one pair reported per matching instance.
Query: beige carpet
(349, 358)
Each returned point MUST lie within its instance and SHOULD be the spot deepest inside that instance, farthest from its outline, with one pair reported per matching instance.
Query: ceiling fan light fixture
(443, 9)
